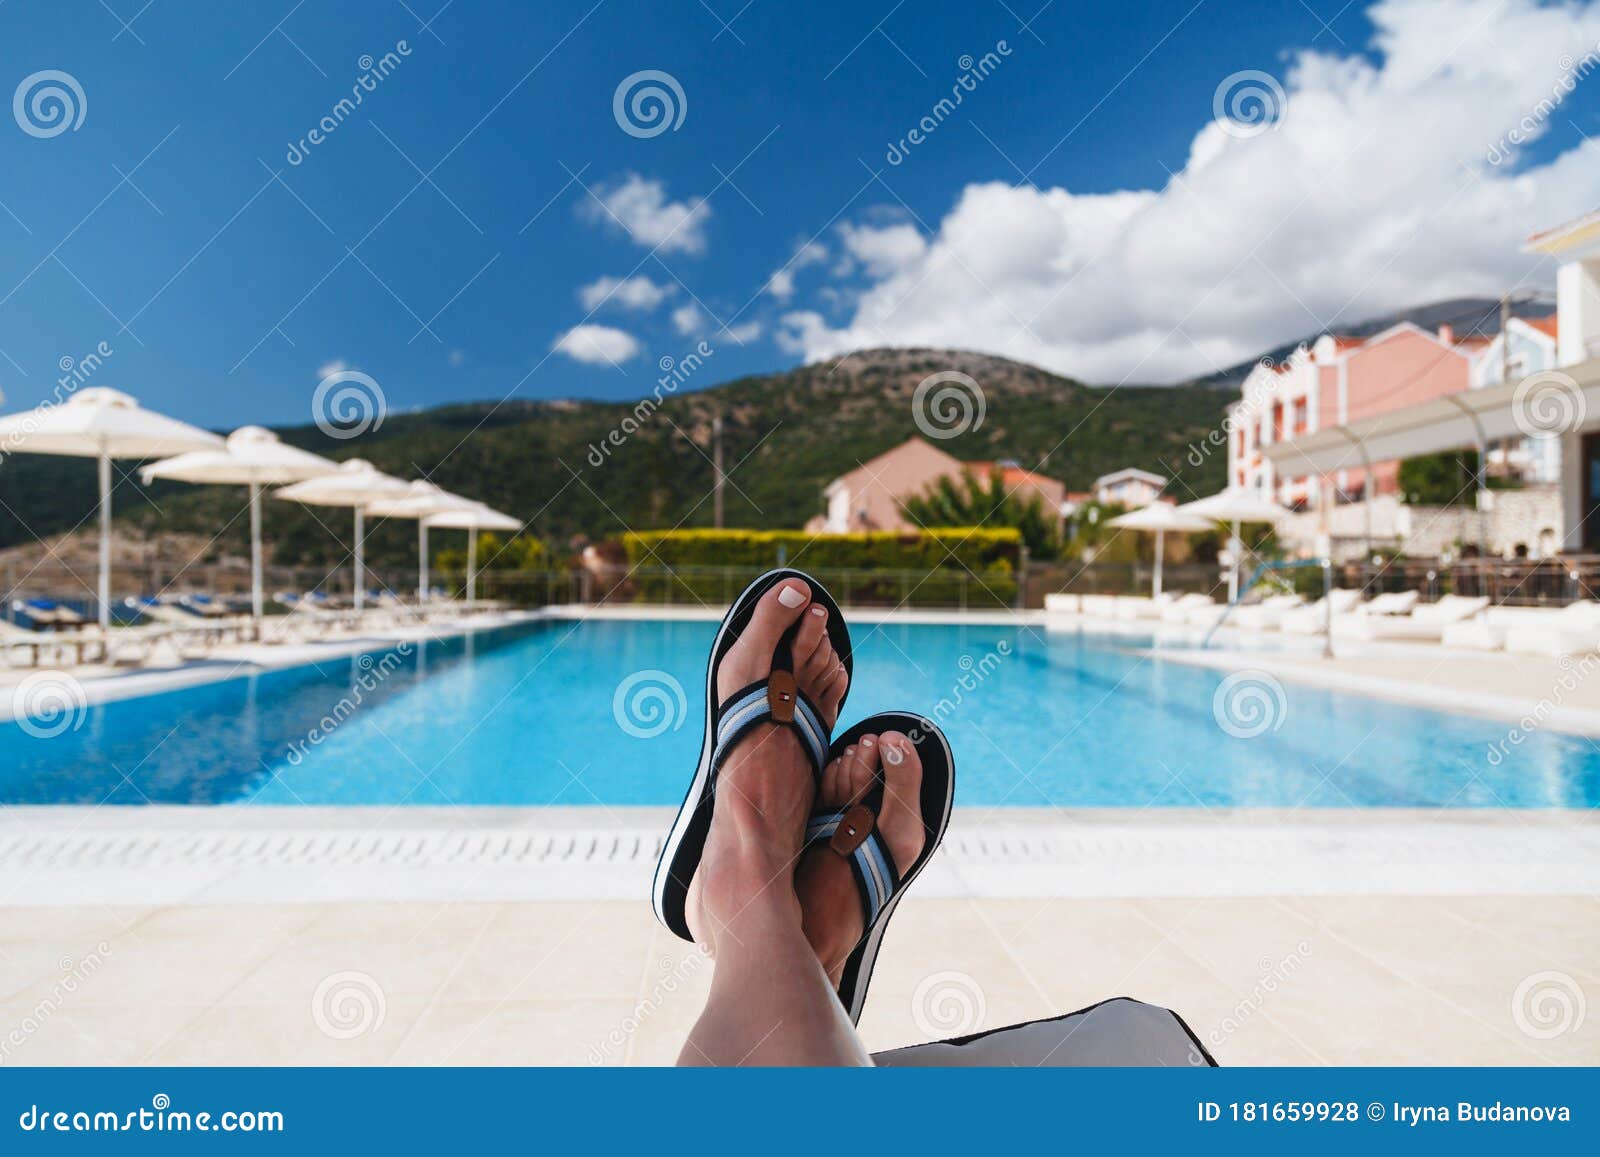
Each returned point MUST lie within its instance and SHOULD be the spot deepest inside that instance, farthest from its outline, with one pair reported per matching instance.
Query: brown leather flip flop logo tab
(853, 830)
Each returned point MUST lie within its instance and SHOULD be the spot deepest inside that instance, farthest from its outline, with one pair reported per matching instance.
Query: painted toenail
(791, 597)
(818, 611)
(866, 743)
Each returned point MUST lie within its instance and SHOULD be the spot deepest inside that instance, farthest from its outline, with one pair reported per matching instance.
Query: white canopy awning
(1551, 401)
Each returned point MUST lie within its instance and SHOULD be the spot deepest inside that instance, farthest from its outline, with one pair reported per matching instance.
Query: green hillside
(786, 435)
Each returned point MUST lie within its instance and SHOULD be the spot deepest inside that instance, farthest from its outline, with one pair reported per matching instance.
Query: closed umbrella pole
(105, 537)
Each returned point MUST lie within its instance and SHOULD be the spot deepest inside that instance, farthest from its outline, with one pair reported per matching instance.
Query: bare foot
(829, 900)
(764, 788)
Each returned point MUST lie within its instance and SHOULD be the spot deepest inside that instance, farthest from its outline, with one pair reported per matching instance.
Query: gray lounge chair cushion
(1119, 1033)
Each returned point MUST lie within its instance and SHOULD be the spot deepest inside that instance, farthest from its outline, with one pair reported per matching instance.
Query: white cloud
(597, 344)
(640, 208)
(742, 334)
(637, 292)
(781, 283)
(688, 320)
(883, 250)
(1374, 192)
(332, 366)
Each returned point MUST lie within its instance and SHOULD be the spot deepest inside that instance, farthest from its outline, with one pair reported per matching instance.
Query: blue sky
(1075, 210)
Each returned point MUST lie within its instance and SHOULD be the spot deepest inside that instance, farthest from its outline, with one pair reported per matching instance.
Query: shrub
(937, 567)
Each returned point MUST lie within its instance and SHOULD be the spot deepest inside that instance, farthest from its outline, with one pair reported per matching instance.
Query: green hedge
(944, 567)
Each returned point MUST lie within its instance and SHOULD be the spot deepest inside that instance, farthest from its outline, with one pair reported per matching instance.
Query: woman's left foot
(830, 903)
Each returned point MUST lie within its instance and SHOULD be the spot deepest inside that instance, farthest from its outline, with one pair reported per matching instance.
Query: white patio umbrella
(102, 424)
(252, 457)
(422, 500)
(473, 519)
(1159, 518)
(1235, 505)
(357, 483)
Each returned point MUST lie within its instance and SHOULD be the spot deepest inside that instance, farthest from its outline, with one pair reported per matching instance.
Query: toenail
(850, 750)
(819, 612)
(866, 743)
(894, 755)
(791, 597)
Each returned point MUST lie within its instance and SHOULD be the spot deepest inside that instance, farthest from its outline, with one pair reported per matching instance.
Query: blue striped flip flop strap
(853, 834)
(775, 699)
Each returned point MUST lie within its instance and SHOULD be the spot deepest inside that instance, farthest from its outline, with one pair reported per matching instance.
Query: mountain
(786, 435)
(1468, 316)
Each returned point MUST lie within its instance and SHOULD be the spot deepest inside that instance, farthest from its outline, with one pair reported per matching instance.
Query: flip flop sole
(938, 793)
(686, 839)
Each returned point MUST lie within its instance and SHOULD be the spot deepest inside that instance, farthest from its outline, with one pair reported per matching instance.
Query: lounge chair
(1267, 615)
(1487, 632)
(48, 613)
(190, 626)
(1179, 610)
(1313, 619)
(1063, 604)
(1572, 630)
(1425, 623)
(1099, 606)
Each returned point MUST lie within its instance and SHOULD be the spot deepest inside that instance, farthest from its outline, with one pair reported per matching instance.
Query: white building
(1130, 487)
(1527, 347)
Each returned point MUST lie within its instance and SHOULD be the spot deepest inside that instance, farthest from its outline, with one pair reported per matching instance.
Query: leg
(771, 1002)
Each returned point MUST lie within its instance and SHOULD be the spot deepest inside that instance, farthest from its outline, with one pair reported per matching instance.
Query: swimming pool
(607, 712)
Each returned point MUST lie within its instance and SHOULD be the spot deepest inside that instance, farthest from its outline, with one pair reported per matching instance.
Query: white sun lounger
(1572, 630)
(1266, 615)
(1098, 606)
(1063, 604)
(1424, 623)
(1179, 610)
(1313, 619)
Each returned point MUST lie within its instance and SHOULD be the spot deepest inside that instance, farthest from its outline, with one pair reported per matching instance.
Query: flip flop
(853, 834)
(774, 699)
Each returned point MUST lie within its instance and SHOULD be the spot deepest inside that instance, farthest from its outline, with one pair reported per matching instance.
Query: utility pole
(716, 471)
(1505, 339)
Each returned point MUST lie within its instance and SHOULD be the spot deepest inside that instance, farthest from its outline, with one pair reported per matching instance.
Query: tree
(965, 501)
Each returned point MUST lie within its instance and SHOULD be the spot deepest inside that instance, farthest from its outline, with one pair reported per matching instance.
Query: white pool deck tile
(521, 936)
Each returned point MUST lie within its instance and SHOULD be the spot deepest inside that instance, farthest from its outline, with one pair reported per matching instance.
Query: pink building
(1334, 381)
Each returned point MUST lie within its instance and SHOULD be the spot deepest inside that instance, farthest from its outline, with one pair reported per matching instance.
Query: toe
(812, 637)
(750, 657)
(862, 771)
(830, 694)
(901, 816)
(835, 779)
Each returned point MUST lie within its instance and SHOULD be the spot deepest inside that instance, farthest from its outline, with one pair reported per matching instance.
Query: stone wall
(1530, 518)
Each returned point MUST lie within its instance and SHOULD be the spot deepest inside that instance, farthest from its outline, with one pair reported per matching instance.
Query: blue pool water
(530, 715)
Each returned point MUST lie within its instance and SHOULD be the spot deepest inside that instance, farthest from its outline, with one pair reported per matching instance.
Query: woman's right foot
(764, 788)
(830, 902)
